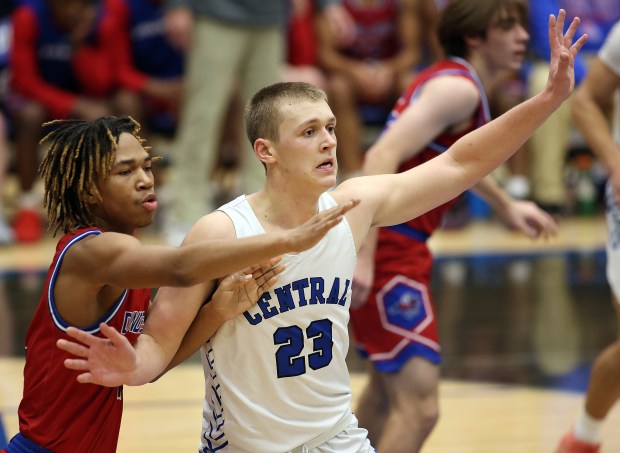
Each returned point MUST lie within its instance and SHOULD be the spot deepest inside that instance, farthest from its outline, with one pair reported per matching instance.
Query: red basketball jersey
(429, 221)
(56, 412)
(398, 320)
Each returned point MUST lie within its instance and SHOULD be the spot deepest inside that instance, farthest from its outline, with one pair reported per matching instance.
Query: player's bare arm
(591, 102)
(129, 264)
(234, 294)
(443, 103)
(397, 198)
(113, 361)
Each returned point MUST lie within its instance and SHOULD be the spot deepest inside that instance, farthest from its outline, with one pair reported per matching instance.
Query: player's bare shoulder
(215, 225)
(86, 255)
(449, 95)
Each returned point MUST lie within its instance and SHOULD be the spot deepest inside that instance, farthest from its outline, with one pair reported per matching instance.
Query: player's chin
(329, 182)
(145, 220)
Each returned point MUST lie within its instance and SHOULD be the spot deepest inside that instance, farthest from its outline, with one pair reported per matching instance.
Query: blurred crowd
(184, 69)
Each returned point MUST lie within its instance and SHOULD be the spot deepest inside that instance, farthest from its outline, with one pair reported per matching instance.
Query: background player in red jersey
(99, 191)
(60, 67)
(394, 322)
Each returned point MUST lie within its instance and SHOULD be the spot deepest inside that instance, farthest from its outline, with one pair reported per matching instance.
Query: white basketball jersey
(276, 376)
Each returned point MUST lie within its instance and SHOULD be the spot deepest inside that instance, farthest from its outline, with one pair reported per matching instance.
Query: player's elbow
(181, 274)
(183, 277)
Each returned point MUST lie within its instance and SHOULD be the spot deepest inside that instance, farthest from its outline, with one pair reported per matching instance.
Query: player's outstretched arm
(591, 105)
(234, 295)
(130, 264)
(393, 199)
(113, 361)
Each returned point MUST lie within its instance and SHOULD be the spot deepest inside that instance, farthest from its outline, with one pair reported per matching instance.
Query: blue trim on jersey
(407, 230)
(437, 147)
(485, 114)
(3, 441)
(21, 444)
(58, 321)
(395, 364)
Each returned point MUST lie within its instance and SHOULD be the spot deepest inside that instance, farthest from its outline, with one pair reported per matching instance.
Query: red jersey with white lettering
(398, 320)
(56, 412)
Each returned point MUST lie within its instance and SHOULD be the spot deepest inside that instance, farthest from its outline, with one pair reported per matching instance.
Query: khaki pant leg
(212, 68)
(262, 67)
(549, 146)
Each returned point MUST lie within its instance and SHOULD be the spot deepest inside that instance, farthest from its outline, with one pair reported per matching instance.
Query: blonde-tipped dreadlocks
(81, 153)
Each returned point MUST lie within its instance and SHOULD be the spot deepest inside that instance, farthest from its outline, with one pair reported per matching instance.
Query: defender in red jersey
(394, 320)
(99, 191)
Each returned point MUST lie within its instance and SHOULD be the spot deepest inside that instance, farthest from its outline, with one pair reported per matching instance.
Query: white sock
(588, 428)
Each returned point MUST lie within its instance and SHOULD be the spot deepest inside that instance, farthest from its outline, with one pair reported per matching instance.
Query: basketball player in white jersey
(276, 377)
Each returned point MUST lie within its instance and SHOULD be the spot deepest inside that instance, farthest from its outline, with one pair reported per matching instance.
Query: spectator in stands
(60, 68)
(366, 76)
(146, 61)
(6, 234)
(301, 62)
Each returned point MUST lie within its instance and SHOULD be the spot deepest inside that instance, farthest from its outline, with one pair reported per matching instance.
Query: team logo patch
(404, 307)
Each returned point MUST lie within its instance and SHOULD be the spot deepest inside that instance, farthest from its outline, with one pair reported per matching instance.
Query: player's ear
(264, 150)
(473, 41)
(91, 195)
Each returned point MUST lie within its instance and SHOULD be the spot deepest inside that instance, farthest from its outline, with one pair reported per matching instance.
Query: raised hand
(311, 232)
(241, 290)
(561, 72)
(106, 361)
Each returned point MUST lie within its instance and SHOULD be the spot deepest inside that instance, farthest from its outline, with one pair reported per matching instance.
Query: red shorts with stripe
(398, 321)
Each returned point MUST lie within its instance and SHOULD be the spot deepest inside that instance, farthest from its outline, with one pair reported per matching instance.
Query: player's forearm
(469, 160)
(490, 190)
(594, 127)
(151, 360)
(204, 261)
(202, 329)
(379, 161)
(484, 149)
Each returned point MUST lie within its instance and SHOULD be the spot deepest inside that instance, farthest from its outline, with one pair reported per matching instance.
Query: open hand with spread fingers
(563, 51)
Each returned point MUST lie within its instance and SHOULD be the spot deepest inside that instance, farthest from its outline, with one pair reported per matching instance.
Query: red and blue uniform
(376, 26)
(46, 67)
(57, 413)
(142, 47)
(398, 320)
(143, 51)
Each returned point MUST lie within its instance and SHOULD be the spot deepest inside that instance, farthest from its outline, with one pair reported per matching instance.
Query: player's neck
(487, 74)
(282, 209)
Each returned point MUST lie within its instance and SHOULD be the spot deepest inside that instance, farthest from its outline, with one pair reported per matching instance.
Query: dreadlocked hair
(81, 153)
